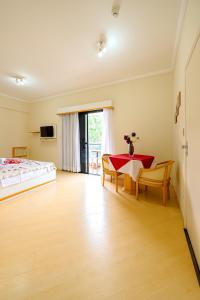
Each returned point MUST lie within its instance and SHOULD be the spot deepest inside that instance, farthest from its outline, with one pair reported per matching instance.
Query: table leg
(129, 184)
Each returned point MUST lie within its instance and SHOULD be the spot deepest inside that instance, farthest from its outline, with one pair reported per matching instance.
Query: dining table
(130, 166)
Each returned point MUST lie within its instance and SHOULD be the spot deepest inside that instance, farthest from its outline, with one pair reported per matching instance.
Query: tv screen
(46, 131)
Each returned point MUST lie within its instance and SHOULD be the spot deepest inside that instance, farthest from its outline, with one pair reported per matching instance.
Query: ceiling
(53, 43)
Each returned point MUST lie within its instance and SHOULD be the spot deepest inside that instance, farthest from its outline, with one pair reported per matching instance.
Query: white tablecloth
(131, 168)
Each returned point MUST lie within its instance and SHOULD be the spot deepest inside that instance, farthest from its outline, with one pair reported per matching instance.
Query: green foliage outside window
(95, 128)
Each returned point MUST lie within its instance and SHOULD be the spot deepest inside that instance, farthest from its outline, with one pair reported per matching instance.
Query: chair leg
(168, 191)
(110, 178)
(137, 190)
(116, 183)
(164, 195)
(103, 179)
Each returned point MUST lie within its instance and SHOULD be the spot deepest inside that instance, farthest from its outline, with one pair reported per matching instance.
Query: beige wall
(190, 30)
(14, 118)
(143, 105)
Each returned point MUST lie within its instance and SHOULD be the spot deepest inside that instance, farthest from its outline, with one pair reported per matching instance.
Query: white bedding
(16, 173)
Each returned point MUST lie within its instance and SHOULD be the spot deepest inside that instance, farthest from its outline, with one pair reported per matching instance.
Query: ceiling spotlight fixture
(115, 11)
(20, 81)
(101, 48)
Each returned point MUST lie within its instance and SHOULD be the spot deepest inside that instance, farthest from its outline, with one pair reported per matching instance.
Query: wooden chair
(107, 171)
(159, 176)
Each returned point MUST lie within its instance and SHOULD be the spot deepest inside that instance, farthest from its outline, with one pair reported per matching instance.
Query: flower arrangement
(130, 140)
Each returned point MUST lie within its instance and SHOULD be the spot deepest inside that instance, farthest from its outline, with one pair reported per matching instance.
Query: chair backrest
(167, 164)
(161, 172)
(105, 162)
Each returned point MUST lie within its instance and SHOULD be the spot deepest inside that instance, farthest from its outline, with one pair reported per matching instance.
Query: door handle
(185, 147)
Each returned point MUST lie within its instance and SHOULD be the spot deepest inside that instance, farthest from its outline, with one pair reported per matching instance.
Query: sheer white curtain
(70, 143)
(107, 138)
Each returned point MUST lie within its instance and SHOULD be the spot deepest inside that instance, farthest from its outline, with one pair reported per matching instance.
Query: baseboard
(194, 260)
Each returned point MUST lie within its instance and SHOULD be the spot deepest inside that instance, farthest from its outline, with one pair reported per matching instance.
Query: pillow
(9, 161)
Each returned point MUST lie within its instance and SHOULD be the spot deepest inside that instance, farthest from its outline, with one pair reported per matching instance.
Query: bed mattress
(15, 171)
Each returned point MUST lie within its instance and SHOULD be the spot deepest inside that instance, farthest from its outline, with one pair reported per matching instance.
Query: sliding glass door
(91, 124)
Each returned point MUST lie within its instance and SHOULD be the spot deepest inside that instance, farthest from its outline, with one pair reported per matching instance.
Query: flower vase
(130, 149)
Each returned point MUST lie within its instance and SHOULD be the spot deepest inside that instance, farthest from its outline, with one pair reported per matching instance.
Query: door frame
(84, 155)
(185, 203)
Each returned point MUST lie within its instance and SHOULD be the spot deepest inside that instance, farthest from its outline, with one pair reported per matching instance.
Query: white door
(192, 186)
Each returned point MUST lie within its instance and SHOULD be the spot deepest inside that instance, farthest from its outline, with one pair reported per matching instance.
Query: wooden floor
(74, 240)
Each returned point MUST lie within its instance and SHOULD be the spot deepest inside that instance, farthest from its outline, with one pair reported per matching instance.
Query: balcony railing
(94, 158)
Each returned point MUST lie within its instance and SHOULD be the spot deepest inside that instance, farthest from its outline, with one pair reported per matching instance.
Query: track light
(20, 81)
(115, 11)
(101, 48)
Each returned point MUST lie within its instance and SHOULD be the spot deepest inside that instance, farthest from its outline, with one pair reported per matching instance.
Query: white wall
(14, 118)
(143, 105)
(190, 30)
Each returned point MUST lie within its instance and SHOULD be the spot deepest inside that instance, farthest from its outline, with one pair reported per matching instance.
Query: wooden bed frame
(37, 182)
(20, 152)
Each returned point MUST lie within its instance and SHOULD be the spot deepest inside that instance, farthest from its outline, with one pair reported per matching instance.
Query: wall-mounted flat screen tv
(47, 131)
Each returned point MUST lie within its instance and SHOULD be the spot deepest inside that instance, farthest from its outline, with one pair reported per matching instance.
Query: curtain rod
(84, 110)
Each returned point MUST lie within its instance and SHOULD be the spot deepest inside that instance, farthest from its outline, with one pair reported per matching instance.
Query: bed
(20, 175)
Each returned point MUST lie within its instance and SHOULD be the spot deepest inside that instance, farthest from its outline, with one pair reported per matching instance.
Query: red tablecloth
(120, 160)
